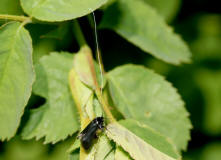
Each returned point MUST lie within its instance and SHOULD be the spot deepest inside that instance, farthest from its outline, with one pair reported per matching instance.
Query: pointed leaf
(147, 97)
(60, 10)
(16, 76)
(141, 142)
(58, 118)
(139, 23)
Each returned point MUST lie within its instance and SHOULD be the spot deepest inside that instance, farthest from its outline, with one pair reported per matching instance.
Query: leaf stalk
(15, 18)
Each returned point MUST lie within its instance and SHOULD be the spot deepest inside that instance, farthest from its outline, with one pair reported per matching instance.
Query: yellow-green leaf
(150, 145)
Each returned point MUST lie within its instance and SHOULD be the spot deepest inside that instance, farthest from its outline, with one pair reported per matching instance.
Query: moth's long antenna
(98, 51)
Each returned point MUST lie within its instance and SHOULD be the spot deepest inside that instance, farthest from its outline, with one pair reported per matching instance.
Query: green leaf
(57, 118)
(141, 142)
(74, 146)
(110, 156)
(139, 23)
(209, 83)
(74, 155)
(42, 48)
(103, 148)
(82, 67)
(58, 33)
(166, 9)
(141, 94)
(10, 7)
(60, 10)
(120, 154)
(16, 76)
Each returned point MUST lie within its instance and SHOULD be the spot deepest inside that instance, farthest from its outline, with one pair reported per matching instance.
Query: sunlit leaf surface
(60, 10)
(141, 94)
(16, 76)
(57, 118)
(140, 24)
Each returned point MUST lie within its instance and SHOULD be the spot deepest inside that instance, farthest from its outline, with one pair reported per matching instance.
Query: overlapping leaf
(139, 23)
(120, 154)
(83, 69)
(57, 118)
(145, 96)
(16, 76)
(167, 9)
(60, 10)
(141, 142)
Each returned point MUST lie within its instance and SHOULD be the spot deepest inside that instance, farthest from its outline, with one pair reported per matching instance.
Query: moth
(90, 132)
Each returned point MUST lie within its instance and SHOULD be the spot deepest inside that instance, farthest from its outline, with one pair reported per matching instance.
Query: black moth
(89, 133)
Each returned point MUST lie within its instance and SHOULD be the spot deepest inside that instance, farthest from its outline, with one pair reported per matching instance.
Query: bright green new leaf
(141, 94)
(16, 76)
(140, 24)
(57, 118)
(141, 142)
(60, 10)
(167, 9)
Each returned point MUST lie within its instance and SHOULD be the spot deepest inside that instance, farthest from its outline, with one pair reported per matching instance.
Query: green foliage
(146, 29)
(59, 110)
(144, 114)
(16, 76)
(60, 10)
(141, 137)
(145, 96)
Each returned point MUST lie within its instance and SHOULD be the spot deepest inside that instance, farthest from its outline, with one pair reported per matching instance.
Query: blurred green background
(199, 83)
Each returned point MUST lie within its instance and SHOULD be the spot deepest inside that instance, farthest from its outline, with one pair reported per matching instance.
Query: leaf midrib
(11, 52)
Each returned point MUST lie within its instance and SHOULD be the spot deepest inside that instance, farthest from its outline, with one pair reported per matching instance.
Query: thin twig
(15, 18)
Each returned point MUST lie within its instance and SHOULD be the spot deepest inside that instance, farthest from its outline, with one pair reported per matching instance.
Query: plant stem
(82, 42)
(78, 34)
(15, 18)
(98, 90)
